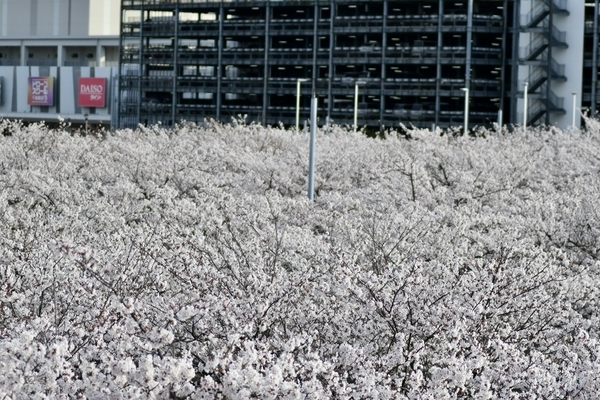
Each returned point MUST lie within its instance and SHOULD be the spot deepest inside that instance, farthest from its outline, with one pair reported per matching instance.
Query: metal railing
(540, 9)
(79, 63)
(554, 102)
(556, 69)
(535, 112)
(533, 47)
(535, 13)
(130, 3)
(557, 103)
(559, 37)
(11, 63)
(534, 80)
(42, 63)
(558, 4)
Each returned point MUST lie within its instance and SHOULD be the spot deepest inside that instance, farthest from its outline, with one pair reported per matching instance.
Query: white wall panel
(15, 85)
(21, 96)
(571, 58)
(67, 87)
(105, 73)
(8, 78)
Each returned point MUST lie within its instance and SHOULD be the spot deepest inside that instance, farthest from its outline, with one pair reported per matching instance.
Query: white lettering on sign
(91, 89)
(39, 87)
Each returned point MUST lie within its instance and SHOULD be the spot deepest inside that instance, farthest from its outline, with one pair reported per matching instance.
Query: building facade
(391, 61)
(59, 39)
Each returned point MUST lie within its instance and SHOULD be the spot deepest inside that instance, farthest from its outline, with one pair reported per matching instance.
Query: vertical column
(60, 55)
(4, 17)
(548, 66)
(23, 54)
(438, 76)
(383, 63)
(503, 68)
(312, 148)
(595, 61)
(141, 65)
(175, 66)
(106, 22)
(56, 25)
(220, 43)
(315, 45)
(514, 87)
(469, 44)
(116, 111)
(33, 18)
(266, 66)
(330, 67)
(100, 55)
(69, 18)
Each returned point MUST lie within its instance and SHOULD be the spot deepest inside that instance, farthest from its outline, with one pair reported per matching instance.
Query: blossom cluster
(190, 264)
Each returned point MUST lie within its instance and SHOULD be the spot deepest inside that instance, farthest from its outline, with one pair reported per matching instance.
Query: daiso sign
(91, 92)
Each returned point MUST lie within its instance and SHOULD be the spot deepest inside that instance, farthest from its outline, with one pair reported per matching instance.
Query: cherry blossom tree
(189, 263)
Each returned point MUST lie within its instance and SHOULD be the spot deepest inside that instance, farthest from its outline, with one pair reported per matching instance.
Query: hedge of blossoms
(190, 264)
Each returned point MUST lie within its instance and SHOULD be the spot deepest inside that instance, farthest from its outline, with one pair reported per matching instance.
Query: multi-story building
(550, 60)
(391, 61)
(59, 39)
(589, 88)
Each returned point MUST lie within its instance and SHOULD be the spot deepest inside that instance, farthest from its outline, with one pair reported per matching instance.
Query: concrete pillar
(100, 55)
(60, 55)
(24, 54)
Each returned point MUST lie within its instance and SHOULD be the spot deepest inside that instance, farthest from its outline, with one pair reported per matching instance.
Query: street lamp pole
(312, 147)
(525, 105)
(356, 84)
(466, 128)
(298, 83)
(574, 108)
(355, 106)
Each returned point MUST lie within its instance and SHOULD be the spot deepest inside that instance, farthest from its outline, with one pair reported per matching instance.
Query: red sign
(91, 92)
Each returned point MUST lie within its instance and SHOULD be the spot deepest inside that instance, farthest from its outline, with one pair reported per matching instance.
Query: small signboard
(40, 91)
(91, 92)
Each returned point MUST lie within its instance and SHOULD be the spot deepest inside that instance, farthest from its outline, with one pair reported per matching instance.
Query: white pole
(525, 105)
(298, 105)
(574, 108)
(311, 154)
(298, 83)
(466, 128)
(355, 107)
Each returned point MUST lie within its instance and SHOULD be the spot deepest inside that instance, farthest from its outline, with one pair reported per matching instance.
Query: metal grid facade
(590, 88)
(188, 60)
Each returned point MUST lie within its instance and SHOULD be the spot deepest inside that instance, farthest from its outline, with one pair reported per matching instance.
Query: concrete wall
(572, 58)
(14, 94)
(80, 18)
(104, 17)
(43, 18)
(16, 18)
